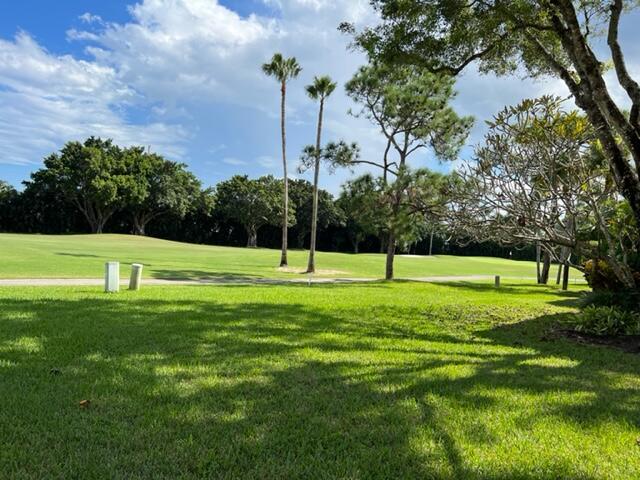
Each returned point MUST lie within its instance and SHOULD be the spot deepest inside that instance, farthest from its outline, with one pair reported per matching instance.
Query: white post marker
(497, 281)
(111, 277)
(136, 276)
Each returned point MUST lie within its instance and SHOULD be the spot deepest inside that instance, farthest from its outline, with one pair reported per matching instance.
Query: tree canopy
(557, 38)
(159, 187)
(251, 203)
(92, 175)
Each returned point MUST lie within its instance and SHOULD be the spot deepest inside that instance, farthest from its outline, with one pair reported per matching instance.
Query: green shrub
(600, 275)
(623, 299)
(608, 321)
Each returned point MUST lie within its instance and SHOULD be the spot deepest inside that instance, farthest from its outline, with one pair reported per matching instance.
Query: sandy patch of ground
(416, 256)
(318, 271)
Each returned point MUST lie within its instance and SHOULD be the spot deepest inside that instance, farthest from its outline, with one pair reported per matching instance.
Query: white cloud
(267, 161)
(217, 148)
(46, 100)
(200, 51)
(187, 51)
(233, 161)
(90, 18)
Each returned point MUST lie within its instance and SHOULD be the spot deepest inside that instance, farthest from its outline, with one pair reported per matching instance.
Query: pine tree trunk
(285, 218)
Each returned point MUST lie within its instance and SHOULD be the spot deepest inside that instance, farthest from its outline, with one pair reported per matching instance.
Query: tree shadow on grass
(201, 275)
(510, 289)
(203, 388)
(78, 255)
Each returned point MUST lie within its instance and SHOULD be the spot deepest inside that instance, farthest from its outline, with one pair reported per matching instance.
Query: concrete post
(497, 281)
(111, 277)
(136, 276)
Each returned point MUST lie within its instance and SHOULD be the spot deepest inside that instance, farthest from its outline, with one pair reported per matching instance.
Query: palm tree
(320, 89)
(283, 70)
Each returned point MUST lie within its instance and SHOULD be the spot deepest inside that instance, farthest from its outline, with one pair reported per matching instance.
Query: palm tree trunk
(311, 267)
(285, 219)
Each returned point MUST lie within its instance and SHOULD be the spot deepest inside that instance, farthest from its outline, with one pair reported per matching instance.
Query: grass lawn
(57, 256)
(368, 381)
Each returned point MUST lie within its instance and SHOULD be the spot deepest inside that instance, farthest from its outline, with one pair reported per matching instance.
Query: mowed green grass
(372, 381)
(80, 256)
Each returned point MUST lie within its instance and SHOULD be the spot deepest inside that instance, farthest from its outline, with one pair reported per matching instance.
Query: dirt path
(51, 282)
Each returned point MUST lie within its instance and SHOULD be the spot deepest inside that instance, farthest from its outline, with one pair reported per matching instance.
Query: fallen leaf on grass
(84, 403)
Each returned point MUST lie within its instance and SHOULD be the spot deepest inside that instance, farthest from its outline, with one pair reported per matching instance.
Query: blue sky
(183, 77)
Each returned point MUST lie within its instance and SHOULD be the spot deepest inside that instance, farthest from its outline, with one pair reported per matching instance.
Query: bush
(608, 321)
(600, 275)
(624, 299)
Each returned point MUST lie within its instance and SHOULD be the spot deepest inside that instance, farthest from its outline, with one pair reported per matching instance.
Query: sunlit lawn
(367, 381)
(80, 256)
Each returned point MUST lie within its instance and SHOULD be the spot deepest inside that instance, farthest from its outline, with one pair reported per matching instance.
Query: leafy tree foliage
(414, 197)
(359, 200)
(540, 177)
(302, 198)
(8, 196)
(159, 187)
(559, 38)
(92, 176)
(411, 108)
(251, 203)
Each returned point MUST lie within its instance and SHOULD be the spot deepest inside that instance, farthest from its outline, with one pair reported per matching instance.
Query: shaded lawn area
(359, 381)
(84, 256)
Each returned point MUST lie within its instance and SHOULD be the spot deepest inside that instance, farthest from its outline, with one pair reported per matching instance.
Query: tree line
(96, 186)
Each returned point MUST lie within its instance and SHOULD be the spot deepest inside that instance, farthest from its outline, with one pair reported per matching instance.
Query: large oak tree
(93, 176)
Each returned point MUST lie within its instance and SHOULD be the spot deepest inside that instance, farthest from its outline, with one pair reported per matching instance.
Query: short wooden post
(497, 281)
(111, 277)
(136, 276)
